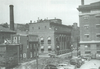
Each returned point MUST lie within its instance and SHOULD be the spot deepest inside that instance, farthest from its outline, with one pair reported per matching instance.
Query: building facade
(75, 36)
(75, 39)
(5, 34)
(28, 44)
(8, 55)
(52, 34)
(89, 18)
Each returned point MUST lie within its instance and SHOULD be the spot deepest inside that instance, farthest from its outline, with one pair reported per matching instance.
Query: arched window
(49, 48)
(42, 41)
(42, 48)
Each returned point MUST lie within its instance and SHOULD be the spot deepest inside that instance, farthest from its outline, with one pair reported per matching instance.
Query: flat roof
(95, 5)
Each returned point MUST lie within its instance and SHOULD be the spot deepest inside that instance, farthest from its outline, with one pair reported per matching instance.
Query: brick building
(28, 44)
(52, 34)
(75, 36)
(5, 34)
(8, 55)
(89, 17)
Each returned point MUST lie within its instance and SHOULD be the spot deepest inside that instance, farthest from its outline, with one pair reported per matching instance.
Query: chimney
(30, 21)
(11, 18)
(82, 2)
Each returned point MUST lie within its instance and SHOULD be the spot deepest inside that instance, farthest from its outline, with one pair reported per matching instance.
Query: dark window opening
(42, 41)
(97, 25)
(87, 36)
(97, 45)
(49, 41)
(49, 49)
(86, 27)
(87, 52)
(98, 36)
(42, 50)
(98, 51)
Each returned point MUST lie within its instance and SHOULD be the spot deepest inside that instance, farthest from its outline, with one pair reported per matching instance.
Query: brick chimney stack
(82, 2)
(11, 18)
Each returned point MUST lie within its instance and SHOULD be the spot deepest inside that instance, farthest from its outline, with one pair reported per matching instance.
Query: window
(87, 52)
(86, 17)
(87, 46)
(97, 15)
(97, 25)
(98, 35)
(14, 39)
(98, 51)
(86, 26)
(98, 46)
(42, 48)
(42, 41)
(49, 48)
(24, 55)
(49, 40)
(86, 35)
(49, 28)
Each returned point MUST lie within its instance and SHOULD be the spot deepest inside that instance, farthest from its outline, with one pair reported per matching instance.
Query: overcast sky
(26, 10)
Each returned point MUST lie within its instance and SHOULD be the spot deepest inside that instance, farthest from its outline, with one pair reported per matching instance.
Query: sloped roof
(6, 30)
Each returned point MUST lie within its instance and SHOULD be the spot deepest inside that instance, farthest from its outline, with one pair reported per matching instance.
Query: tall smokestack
(11, 18)
(82, 2)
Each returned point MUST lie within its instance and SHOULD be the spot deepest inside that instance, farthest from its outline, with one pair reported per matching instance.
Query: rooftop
(95, 5)
(6, 30)
(59, 21)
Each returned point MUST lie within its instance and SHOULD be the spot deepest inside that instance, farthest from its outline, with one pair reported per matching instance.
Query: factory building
(53, 36)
